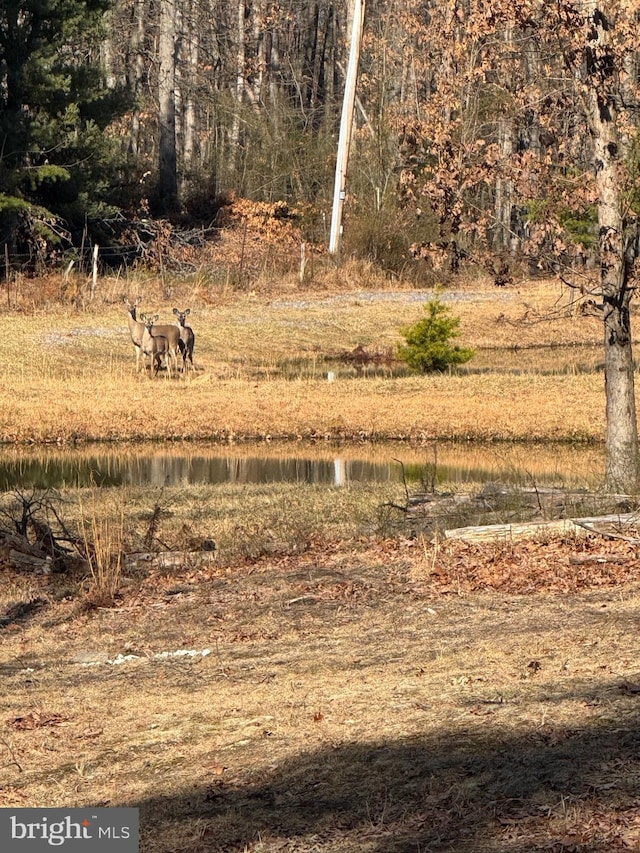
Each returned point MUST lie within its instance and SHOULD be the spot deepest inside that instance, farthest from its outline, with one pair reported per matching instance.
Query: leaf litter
(371, 695)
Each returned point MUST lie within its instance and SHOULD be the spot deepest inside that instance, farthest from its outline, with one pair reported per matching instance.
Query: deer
(186, 335)
(172, 334)
(136, 328)
(155, 346)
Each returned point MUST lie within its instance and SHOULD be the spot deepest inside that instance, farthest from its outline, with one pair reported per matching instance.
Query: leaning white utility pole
(346, 123)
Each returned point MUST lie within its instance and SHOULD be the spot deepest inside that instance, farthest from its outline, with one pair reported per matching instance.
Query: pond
(429, 466)
(364, 362)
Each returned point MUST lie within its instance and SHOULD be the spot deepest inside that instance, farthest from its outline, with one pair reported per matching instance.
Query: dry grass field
(67, 374)
(332, 682)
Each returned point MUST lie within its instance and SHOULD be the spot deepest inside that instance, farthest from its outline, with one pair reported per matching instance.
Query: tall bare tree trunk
(167, 166)
(254, 87)
(622, 466)
(135, 69)
(190, 113)
(503, 205)
(186, 87)
(617, 245)
(234, 132)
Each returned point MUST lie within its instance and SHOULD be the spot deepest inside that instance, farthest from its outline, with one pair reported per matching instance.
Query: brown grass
(102, 544)
(69, 376)
(353, 688)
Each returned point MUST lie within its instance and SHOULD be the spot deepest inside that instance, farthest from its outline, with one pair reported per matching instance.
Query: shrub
(428, 343)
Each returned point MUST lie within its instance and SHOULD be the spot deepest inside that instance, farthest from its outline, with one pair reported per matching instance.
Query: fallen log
(168, 559)
(28, 562)
(598, 559)
(9, 541)
(23, 555)
(591, 525)
(559, 527)
(517, 530)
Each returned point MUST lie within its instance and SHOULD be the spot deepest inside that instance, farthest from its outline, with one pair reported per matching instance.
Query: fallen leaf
(36, 720)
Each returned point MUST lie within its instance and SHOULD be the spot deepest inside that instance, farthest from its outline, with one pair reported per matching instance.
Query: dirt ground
(364, 693)
(381, 696)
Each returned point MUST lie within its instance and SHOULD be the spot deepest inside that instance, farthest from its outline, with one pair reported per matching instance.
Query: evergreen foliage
(428, 346)
(54, 108)
(451, 162)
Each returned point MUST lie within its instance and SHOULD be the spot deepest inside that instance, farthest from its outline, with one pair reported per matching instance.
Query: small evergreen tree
(428, 346)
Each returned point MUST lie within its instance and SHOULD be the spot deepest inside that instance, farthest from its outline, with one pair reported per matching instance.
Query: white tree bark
(234, 133)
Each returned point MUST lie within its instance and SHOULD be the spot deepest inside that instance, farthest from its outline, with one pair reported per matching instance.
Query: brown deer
(186, 335)
(155, 346)
(172, 334)
(136, 328)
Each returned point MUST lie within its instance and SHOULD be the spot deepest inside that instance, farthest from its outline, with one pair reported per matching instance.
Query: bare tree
(485, 161)
(134, 65)
(167, 152)
(610, 102)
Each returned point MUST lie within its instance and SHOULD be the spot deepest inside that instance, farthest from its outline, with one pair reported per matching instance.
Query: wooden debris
(26, 556)
(27, 562)
(607, 522)
(168, 559)
(518, 530)
(36, 720)
(563, 527)
(599, 559)
(22, 555)
(13, 541)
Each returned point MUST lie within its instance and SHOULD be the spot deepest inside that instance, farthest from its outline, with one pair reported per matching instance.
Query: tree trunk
(186, 87)
(622, 466)
(167, 166)
(234, 132)
(622, 459)
(503, 205)
(617, 252)
(190, 112)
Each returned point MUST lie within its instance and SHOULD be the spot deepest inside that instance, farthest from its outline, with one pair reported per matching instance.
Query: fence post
(94, 279)
(7, 271)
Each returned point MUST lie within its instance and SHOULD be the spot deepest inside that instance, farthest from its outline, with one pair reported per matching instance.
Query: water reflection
(190, 465)
(188, 470)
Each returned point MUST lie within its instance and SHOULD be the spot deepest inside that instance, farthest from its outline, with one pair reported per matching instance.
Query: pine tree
(54, 108)
(428, 347)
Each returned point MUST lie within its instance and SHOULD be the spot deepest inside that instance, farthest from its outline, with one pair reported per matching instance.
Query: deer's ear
(188, 311)
(175, 311)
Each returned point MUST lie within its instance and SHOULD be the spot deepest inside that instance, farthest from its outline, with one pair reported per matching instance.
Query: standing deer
(155, 346)
(136, 328)
(172, 334)
(186, 335)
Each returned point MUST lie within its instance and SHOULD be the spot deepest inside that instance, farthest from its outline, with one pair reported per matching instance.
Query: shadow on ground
(574, 791)
(22, 611)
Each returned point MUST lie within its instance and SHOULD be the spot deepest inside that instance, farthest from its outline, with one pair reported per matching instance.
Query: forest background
(470, 139)
(496, 137)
